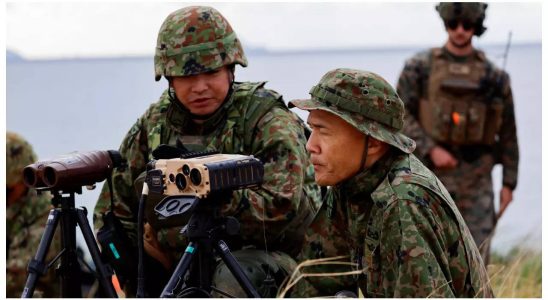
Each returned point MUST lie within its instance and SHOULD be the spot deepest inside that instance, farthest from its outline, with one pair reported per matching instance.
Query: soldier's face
(336, 148)
(460, 35)
(204, 93)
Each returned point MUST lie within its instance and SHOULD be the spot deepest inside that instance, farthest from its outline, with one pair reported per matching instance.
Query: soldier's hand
(442, 159)
(506, 196)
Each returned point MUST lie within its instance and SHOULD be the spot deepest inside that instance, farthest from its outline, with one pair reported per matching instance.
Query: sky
(56, 30)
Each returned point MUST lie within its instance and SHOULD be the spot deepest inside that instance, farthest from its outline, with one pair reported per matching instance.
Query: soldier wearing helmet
(26, 217)
(460, 110)
(385, 212)
(204, 108)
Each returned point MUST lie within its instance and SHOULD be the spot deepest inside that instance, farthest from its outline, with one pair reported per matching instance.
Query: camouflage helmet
(194, 40)
(472, 11)
(19, 154)
(363, 99)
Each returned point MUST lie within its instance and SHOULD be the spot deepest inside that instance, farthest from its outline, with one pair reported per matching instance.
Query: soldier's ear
(376, 146)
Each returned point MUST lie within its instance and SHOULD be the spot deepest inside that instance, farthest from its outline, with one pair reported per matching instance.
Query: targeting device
(183, 180)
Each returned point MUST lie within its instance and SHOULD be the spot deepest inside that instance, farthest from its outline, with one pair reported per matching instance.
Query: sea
(67, 105)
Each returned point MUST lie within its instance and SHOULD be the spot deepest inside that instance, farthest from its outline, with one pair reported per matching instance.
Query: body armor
(458, 109)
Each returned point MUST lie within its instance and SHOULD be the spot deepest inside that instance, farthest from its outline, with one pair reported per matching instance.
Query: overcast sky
(93, 29)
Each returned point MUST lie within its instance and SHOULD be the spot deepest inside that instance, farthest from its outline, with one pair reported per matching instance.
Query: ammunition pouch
(460, 122)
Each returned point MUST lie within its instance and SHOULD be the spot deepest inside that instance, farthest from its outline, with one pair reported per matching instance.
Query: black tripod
(70, 217)
(205, 231)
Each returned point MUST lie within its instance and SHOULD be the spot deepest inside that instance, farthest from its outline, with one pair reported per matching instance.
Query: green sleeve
(288, 197)
(411, 252)
(507, 145)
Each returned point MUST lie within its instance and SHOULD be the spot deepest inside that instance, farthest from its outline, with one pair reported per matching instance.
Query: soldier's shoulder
(257, 102)
(497, 71)
(255, 89)
(408, 179)
(160, 106)
(420, 58)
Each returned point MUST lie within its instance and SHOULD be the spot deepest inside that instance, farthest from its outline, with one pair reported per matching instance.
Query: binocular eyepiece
(72, 171)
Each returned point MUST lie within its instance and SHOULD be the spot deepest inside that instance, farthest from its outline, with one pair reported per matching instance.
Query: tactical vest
(235, 135)
(458, 110)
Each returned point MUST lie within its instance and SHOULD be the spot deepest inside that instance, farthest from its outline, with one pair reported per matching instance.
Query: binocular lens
(195, 176)
(50, 177)
(29, 176)
(180, 181)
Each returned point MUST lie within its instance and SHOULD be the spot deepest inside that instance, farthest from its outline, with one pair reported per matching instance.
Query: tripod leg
(36, 266)
(105, 277)
(71, 285)
(234, 267)
(177, 278)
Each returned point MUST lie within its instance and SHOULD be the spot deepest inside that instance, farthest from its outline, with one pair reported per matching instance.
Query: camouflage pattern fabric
(19, 154)
(473, 191)
(397, 224)
(25, 222)
(194, 40)
(286, 201)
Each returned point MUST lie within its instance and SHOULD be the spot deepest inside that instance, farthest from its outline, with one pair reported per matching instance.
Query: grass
(517, 274)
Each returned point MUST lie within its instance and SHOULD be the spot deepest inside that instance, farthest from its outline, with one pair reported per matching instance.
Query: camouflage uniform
(25, 220)
(394, 221)
(252, 121)
(470, 183)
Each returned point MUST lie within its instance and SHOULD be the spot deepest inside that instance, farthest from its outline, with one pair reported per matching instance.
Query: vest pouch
(459, 121)
(459, 86)
(476, 122)
(493, 121)
(441, 129)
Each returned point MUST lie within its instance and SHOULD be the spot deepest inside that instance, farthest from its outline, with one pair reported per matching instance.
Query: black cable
(109, 182)
(140, 243)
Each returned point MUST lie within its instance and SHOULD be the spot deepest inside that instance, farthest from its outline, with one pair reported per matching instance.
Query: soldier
(461, 113)
(385, 211)
(26, 216)
(203, 108)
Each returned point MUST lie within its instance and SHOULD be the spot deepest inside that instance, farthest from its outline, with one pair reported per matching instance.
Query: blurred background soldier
(460, 111)
(26, 216)
(385, 212)
(203, 108)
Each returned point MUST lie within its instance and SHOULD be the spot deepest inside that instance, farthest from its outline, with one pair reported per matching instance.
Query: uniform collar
(368, 180)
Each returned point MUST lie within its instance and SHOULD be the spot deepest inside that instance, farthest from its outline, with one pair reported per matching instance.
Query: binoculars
(72, 171)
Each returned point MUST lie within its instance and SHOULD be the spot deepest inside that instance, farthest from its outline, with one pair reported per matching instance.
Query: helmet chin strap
(364, 154)
(173, 96)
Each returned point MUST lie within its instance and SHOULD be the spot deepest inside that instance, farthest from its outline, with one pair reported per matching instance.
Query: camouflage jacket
(26, 220)
(402, 233)
(413, 86)
(284, 203)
